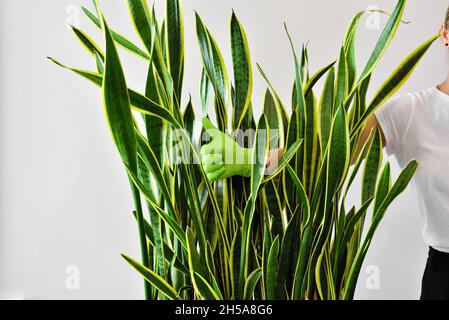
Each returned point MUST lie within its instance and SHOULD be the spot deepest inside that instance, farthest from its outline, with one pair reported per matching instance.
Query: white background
(64, 197)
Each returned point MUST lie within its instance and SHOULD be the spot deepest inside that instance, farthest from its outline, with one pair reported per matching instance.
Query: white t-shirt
(416, 126)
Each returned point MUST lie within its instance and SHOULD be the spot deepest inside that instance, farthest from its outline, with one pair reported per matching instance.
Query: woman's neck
(444, 86)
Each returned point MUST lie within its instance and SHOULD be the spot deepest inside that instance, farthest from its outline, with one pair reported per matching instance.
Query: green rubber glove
(223, 157)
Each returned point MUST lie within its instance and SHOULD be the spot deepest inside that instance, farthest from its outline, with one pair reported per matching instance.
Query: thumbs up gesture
(223, 157)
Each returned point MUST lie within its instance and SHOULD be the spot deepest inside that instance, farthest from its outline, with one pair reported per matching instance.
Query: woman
(413, 126)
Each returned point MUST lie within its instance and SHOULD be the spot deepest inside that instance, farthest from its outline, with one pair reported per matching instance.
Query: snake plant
(287, 235)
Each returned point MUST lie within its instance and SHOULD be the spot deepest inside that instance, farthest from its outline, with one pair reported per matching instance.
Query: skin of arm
(371, 124)
(273, 159)
(275, 155)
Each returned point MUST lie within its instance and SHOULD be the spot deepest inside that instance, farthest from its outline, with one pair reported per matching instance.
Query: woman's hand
(223, 157)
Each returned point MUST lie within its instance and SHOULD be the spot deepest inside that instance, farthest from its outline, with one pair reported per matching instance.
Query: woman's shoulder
(405, 104)
(416, 98)
(426, 95)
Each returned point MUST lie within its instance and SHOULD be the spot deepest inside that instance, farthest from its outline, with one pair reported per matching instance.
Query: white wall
(64, 198)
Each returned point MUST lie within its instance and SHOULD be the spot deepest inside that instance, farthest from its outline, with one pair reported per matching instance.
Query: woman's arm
(273, 159)
(371, 124)
(220, 171)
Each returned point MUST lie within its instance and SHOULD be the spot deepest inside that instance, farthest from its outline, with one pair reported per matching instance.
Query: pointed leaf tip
(208, 125)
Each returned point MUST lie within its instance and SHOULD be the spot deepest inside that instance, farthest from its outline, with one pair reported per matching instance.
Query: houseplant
(288, 235)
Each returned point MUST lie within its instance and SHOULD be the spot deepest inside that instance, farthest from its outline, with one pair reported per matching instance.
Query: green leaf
(163, 94)
(205, 92)
(302, 195)
(382, 188)
(197, 267)
(384, 39)
(99, 62)
(159, 283)
(287, 255)
(279, 103)
(311, 142)
(139, 102)
(175, 42)
(243, 78)
(349, 48)
(259, 158)
(169, 220)
(273, 118)
(266, 246)
(337, 166)
(235, 253)
(398, 187)
(342, 79)
(251, 283)
(205, 289)
(326, 108)
(302, 259)
(87, 42)
(338, 160)
(272, 269)
(348, 234)
(141, 18)
(316, 77)
(381, 46)
(213, 62)
(372, 166)
(168, 252)
(149, 158)
(401, 74)
(275, 208)
(396, 80)
(155, 228)
(286, 158)
(352, 222)
(121, 40)
(362, 155)
(220, 73)
(206, 54)
(189, 117)
(160, 61)
(117, 104)
(300, 97)
(155, 127)
(292, 135)
(351, 30)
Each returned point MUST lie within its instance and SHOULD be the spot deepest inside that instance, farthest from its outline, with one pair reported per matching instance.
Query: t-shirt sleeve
(394, 118)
